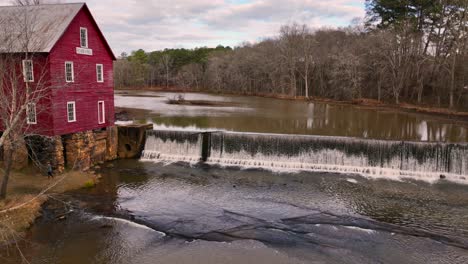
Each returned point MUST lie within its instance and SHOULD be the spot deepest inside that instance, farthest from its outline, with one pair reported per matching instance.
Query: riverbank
(363, 102)
(28, 190)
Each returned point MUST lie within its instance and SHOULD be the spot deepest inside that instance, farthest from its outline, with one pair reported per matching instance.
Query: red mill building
(69, 54)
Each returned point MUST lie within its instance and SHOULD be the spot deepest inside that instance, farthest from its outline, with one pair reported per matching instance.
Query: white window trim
(27, 114)
(102, 73)
(72, 72)
(103, 113)
(24, 71)
(86, 30)
(74, 112)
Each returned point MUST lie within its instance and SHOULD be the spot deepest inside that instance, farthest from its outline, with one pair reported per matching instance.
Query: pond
(267, 115)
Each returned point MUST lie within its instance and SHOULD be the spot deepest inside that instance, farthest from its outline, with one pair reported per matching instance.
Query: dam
(426, 161)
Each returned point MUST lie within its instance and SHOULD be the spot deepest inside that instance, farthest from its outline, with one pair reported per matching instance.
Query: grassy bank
(27, 191)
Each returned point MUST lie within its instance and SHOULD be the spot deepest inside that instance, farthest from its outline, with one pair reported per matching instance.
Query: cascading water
(169, 145)
(378, 158)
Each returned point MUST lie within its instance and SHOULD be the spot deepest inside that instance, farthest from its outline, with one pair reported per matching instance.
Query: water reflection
(265, 115)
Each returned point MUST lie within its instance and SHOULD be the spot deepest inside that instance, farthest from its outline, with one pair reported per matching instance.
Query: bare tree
(459, 30)
(307, 44)
(166, 62)
(289, 47)
(23, 87)
(27, 2)
(189, 76)
(33, 2)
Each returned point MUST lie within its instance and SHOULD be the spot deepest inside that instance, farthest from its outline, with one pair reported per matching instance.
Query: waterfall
(378, 158)
(166, 145)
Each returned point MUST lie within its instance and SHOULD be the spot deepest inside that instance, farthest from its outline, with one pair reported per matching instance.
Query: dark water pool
(177, 213)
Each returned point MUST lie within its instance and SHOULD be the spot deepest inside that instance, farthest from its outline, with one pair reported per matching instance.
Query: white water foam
(126, 222)
(368, 231)
(124, 123)
(352, 180)
(162, 127)
(185, 148)
(286, 153)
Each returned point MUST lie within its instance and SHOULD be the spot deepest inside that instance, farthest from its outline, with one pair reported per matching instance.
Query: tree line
(404, 50)
(169, 67)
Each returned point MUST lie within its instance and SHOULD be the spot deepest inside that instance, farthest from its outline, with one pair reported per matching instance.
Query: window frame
(72, 72)
(102, 73)
(74, 111)
(103, 109)
(25, 76)
(28, 108)
(86, 37)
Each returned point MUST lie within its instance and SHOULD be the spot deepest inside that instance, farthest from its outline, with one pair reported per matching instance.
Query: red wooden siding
(85, 91)
(44, 116)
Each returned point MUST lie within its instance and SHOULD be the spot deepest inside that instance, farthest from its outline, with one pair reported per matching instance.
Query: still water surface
(175, 213)
(267, 115)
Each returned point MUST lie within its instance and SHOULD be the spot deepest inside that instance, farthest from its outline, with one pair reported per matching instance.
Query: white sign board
(84, 51)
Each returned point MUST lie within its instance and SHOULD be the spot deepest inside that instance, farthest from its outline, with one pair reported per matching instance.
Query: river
(161, 211)
(144, 212)
(268, 115)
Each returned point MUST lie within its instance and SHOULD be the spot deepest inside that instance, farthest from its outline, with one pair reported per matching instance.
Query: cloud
(158, 24)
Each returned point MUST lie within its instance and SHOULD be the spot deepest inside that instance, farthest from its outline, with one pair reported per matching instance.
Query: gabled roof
(37, 28)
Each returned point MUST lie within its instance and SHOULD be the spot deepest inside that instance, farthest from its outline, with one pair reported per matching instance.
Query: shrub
(89, 184)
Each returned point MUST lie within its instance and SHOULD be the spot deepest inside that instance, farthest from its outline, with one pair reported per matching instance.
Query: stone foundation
(44, 149)
(77, 151)
(80, 151)
(85, 149)
(112, 143)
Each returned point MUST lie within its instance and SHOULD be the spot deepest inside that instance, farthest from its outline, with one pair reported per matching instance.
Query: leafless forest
(403, 51)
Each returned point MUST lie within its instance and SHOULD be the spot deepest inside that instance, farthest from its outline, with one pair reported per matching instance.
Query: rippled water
(267, 115)
(177, 213)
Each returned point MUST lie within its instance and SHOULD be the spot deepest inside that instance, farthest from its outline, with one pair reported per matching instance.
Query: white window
(101, 112)
(71, 112)
(31, 114)
(100, 73)
(69, 72)
(28, 71)
(84, 37)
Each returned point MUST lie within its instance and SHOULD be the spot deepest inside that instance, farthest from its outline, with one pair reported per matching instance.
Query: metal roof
(34, 28)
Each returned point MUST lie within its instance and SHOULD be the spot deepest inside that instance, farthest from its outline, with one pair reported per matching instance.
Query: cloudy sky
(158, 24)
